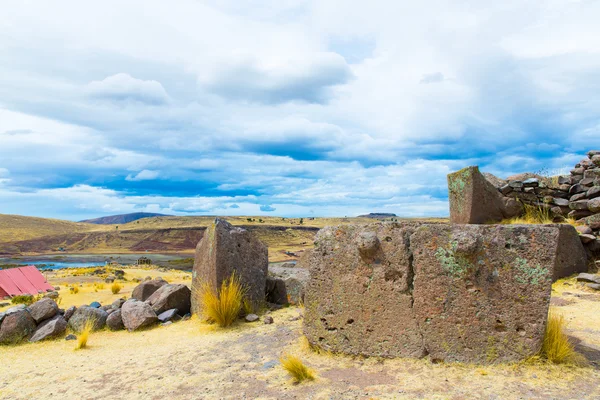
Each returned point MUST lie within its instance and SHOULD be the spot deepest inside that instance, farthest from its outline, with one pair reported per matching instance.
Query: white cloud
(123, 87)
(144, 175)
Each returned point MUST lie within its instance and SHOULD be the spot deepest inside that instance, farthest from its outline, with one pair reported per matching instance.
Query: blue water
(59, 265)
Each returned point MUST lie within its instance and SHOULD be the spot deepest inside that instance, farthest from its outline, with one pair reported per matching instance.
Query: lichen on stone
(453, 264)
(527, 274)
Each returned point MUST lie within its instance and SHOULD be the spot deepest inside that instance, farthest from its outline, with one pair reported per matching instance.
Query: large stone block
(469, 293)
(225, 250)
(475, 200)
(358, 299)
(481, 292)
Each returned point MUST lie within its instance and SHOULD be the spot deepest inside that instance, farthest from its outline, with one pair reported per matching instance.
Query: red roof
(23, 280)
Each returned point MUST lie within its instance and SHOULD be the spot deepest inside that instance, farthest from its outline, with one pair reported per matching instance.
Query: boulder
(43, 309)
(169, 315)
(137, 315)
(585, 277)
(52, 295)
(466, 293)
(252, 318)
(17, 326)
(171, 296)
(118, 303)
(474, 200)
(95, 304)
(145, 289)
(69, 312)
(83, 314)
(275, 291)
(223, 251)
(268, 320)
(114, 322)
(295, 289)
(50, 329)
(594, 205)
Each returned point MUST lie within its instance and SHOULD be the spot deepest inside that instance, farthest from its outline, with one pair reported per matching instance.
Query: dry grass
(74, 289)
(84, 335)
(296, 368)
(116, 287)
(532, 215)
(223, 307)
(557, 348)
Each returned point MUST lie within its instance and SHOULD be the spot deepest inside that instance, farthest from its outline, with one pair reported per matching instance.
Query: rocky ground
(190, 359)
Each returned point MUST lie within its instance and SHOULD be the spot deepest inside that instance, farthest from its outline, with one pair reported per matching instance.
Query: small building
(144, 261)
(22, 280)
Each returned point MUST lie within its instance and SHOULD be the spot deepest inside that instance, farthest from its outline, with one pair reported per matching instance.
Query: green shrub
(26, 299)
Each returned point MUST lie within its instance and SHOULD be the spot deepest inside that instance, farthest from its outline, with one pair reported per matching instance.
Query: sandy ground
(192, 360)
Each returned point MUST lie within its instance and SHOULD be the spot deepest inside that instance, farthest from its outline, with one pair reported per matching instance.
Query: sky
(292, 108)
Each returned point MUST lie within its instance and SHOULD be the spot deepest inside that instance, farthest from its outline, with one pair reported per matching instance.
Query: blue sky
(290, 107)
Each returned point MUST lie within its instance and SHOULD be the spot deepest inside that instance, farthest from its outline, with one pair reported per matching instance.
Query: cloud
(123, 87)
(234, 206)
(307, 78)
(145, 175)
(267, 208)
(432, 78)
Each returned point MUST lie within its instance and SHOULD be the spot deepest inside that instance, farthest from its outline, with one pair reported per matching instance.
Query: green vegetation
(26, 299)
(223, 307)
(296, 368)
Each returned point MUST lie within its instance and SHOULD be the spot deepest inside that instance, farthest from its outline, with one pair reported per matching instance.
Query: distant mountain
(377, 215)
(122, 219)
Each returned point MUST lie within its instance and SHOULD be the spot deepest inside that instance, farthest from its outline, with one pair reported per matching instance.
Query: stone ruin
(477, 198)
(224, 250)
(467, 293)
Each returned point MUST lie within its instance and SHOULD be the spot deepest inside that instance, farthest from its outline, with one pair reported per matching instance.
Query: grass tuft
(83, 337)
(26, 299)
(116, 287)
(223, 307)
(296, 368)
(74, 289)
(532, 215)
(556, 347)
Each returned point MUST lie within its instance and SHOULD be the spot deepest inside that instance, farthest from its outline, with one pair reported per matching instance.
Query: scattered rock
(252, 318)
(52, 295)
(16, 326)
(145, 289)
(171, 296)
(137, 315)
(95, 304)
(166, 323)
(43, 309)
(50, 329)
(114, 322)
(595, 286)
(268, 320)
(71, 337)
(584, 277)
(83, 314)
(118, 303)
(69, 313)
(586, 238)
(168, 315)
(584, 229)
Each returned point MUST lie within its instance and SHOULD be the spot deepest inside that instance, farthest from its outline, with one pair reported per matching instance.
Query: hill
(378, 215)
(17, 227)
(121, 219)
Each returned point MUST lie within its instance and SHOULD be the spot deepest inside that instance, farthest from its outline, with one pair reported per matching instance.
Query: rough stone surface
(474, 293)
(168, 315)
(594, 205)
(69, 312)
(358, 300)
(474, 200)
(137, 315)
(84, 314)
(252, 318)
(145, 289)
(114, 322)
(275, 291)
(43, 309)
(50, 329)
(585, 277)
(171, 296)
(225, 250)
(16, 326)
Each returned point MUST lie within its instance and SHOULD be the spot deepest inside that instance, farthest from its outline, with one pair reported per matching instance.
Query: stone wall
(469, 293)
(575, 196)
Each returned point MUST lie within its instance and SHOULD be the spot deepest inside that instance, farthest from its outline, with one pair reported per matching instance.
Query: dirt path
(189, 360)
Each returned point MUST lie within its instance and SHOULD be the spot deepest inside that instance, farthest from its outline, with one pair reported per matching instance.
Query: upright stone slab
(223, 250)
(358, 299)
(474, 200)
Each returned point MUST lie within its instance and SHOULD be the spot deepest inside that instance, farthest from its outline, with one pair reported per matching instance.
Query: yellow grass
(296, 368)
(115, 288)
(557, 348)
(223, 307)
(84, 335)
(532, 215)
